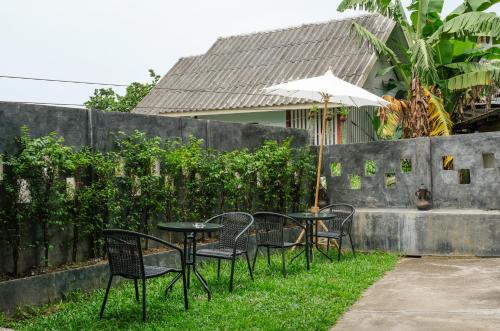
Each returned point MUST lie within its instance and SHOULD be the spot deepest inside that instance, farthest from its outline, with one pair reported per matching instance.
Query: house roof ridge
(291, 27)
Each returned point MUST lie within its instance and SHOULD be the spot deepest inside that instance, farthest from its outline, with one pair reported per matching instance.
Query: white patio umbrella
(327, 89)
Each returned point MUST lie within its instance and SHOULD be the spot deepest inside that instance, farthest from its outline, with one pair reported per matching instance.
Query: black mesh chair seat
(271, 234)
(285, 244)
(233, 241)
(124, 251)
(153, 271)
(332, 235)
(337, 228)
(215, 252)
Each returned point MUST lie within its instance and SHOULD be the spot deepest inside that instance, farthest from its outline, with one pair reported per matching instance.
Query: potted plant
(329, 116)
(343, 112)
(313, 112)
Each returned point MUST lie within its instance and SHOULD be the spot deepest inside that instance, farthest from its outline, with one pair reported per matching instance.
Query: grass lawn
(303, 300)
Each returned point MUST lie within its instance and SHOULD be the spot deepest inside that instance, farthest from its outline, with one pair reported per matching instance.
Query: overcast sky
(117, 41)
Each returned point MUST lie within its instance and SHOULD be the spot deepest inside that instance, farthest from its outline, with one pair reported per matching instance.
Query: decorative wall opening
(336, 169)
(488, 160)
(370, 168)
(354, 182)
(447, 161)
(406, 166)
(464, 176)
(390, 179)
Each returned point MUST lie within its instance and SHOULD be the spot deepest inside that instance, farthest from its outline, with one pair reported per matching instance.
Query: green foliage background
(106, 99)
(142, 181)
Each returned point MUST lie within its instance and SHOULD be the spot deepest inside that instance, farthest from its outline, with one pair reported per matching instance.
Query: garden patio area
(312, 300)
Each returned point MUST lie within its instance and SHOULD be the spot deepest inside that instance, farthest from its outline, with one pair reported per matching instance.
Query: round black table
(190, 230)
(309, 218)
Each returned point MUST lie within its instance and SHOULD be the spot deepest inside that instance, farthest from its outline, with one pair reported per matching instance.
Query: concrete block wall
(442, 232)
(81, 127)
(479, 154)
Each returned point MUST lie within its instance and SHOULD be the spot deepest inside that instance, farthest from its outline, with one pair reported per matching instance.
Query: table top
(190, 227)
(308, 216)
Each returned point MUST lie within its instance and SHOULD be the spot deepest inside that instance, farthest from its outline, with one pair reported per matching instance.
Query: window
(390, 179)
(354, 182)
(406, 165)
(464, 176)
(336, 169)
(447, 161)
(488, 160)
(370, 168)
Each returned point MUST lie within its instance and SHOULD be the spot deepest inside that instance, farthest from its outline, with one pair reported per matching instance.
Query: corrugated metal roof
(234, 70)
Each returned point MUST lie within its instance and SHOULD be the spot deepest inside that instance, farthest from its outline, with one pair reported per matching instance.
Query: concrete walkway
(431, 294)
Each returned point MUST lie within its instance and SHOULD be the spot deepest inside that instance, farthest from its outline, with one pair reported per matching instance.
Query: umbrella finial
(330, 70)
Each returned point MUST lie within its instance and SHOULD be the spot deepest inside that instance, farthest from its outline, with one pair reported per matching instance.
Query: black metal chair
(233, 241)
(270, 234)
(124, 252)
(337, 228)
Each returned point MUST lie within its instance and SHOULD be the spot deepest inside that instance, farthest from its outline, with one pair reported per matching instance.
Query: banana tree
(443, 61)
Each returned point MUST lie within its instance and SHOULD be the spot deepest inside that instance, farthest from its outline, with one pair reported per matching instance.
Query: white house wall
(274, 118)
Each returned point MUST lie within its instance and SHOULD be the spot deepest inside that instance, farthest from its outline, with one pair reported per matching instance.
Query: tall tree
(445, 59)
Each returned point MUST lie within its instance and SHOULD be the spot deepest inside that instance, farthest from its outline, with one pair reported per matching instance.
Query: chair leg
(231, 277)
(255, 257)
(352, 245)
(283, 262)
(218, 269)
(268, 256)
(340, 248)
(249, 267)
(144, 299)
(328, 246)
(188, 267)
(184, 287)
(105, 297)
(136, 290)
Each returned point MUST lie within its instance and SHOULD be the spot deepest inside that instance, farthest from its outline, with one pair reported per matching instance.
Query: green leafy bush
(143, 180)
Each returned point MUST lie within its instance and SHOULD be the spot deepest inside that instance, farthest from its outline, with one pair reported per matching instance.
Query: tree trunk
(418, 123)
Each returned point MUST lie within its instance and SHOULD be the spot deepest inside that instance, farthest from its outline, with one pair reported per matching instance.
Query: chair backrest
(124, 253)
(270, 228)
(343, 215)
(236, 225)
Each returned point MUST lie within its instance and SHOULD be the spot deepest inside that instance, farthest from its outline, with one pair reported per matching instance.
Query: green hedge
(57, 188)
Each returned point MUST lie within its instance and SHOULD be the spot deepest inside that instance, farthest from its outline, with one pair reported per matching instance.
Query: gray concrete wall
(483, 191)
(79, 127)
(444, 232)
(467, 152)
(387, 156)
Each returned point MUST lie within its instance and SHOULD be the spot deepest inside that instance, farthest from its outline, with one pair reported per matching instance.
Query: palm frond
(422, 59)
(378, 45)
(386, 8)
(466, 67)
(421, 11)
(474, 78)
(391, 117)
(439, 119)
(469, 24)
(471, 5)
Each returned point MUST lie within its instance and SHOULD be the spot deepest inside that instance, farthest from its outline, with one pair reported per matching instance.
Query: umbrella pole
(315, 208)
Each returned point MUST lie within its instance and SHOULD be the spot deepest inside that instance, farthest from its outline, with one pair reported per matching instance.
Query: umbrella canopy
(338, 91)
(328, 89)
